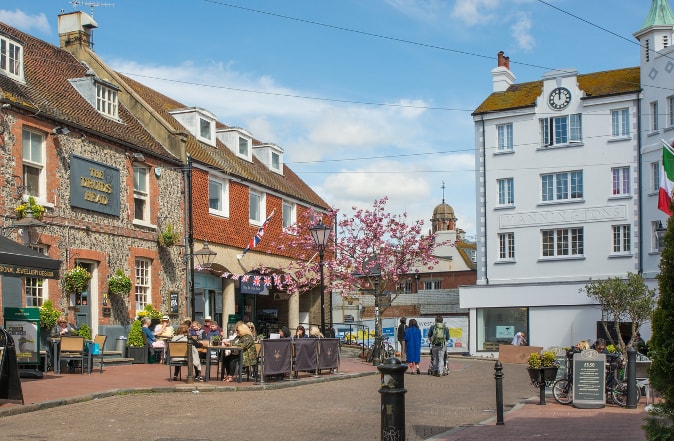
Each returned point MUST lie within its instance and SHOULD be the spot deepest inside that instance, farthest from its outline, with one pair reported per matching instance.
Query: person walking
(438, 336)
(413, 346)
(401, 338)
(520, 339)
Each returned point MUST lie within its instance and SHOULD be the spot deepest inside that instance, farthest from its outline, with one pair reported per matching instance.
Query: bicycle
(385, 350)
(616, 388)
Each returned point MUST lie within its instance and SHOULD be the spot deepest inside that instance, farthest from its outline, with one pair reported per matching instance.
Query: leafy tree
(623, 300)
(661, 344)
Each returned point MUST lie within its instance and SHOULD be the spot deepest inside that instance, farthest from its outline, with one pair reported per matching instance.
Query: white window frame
(143, 283)
(259, 217)
(506, 246)
(431, 284)
(620, 123)
(670, 111)
(33, 144)
(243, 141)
(563, 186)
(275, 161)
(654, 126)
(141, 195)
(205, 129)
(620, 182)
(622, 239)
(106, 100)
(562, 242)
(36, 287)
(505, 192)
(11, 58)
(655, 177)
(560, 131)
(221, 186)
(505, 137)
(655, 241)
(289, 212)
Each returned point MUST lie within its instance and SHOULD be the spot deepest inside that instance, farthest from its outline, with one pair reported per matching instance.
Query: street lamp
(204, 257)
(660, 235)
(30, 229)
(321, 233)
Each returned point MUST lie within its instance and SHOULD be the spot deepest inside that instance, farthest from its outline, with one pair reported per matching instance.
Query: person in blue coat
(413, 346)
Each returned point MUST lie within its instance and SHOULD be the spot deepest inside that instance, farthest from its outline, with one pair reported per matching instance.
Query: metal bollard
(498, 375)
(392, 399)
(541, 389)
(631, 378)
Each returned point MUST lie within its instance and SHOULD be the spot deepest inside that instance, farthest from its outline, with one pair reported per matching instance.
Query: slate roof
(597, 84)
(222, 158)
(48, 94)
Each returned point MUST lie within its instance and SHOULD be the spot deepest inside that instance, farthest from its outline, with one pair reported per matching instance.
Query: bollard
(631, 378)
(498, 375)
(392, 399)
(541, 389)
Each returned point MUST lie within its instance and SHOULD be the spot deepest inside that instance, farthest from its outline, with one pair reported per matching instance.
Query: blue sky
(368, 98)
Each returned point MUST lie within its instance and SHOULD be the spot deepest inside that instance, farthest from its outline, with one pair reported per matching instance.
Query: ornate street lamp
(205, 256)
(321, 233)
(660, 235)
(30, 229)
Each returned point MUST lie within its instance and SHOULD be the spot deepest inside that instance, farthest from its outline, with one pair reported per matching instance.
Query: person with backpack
(438, 335)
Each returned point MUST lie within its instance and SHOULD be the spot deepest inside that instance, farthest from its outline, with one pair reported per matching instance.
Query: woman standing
(413, 346)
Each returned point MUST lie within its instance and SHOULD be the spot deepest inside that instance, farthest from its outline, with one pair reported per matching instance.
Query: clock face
(559, 98)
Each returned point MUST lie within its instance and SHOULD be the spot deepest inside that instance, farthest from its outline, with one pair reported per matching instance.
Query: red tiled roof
(48, 92)
(597, 84)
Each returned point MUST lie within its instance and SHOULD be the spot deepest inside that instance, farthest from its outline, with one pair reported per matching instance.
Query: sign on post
(589, 380)
(23, 324)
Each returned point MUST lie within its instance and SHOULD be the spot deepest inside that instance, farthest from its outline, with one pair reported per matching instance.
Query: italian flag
(666, 179)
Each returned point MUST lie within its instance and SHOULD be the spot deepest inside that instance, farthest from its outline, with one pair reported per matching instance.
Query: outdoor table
(54, 342)
(218, 349)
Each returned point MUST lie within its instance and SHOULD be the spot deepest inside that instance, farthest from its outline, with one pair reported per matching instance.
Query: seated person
(314, 332)
(600, 346)
(244, 339)
(207, 325)
(214, 331)
(62, 327)
(256, 337)
(182, 334)
(300, 332)
(284, 332)
(164, 329)
(196, 330)
(151, 339)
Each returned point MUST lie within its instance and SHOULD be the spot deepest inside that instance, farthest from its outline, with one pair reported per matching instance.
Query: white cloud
(521, 31)
(472, 12)
(424, 10)
(27, 23)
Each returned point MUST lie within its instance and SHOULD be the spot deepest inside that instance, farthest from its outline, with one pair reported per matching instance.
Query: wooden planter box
(139, 355)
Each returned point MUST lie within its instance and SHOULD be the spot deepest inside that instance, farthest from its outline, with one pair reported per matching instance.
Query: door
(85, 302)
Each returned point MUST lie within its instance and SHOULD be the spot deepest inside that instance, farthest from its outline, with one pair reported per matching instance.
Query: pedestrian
(401, 338)
(413, 346)
(438, 335)
(520, 339)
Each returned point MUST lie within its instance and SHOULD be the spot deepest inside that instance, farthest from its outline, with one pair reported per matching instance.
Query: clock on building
(559, 98)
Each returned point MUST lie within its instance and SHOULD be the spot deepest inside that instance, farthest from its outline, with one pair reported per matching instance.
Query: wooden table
(218, 349)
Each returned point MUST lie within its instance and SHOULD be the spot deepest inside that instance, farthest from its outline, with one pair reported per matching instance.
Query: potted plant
(135, 342)
(154, 314)
(542, 367)
(76, 279)
(119, 283)
(38, 210)
(215, 340)
(168, 237)
(84, 331)
(48, 315)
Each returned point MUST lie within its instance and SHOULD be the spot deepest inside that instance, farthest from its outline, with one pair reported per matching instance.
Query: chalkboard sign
(589, 377)
(174, 301)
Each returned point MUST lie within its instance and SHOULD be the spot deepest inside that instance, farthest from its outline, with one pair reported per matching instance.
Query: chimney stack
(502, 76)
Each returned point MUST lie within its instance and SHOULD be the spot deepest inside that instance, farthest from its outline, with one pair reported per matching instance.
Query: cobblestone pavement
(347, 409)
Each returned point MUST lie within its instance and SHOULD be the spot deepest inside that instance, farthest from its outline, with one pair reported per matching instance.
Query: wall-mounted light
(136, 157)
(60, 130)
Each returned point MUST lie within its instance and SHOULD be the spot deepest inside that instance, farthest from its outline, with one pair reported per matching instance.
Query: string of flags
(258, 280)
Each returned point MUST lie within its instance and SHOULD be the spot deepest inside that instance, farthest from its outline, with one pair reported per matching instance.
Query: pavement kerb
(193, 388)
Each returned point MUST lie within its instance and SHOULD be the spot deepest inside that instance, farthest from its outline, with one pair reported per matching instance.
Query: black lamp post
(660, 235)
(321, 233)
(204, 258)
(30, 229)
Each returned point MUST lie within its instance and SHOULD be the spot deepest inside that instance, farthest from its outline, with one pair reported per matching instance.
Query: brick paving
(132, 402)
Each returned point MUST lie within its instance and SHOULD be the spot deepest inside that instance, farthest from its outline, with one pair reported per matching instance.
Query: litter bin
(121, 345)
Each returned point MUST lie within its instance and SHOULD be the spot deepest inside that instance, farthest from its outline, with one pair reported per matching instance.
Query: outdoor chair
(72, 349)
(176, 355)
(98, 358)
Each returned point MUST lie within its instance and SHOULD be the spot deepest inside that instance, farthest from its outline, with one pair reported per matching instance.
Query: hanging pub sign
(94, 186)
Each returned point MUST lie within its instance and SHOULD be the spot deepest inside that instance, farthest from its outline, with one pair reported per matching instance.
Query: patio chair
(176, 355)
(98, 358)
(72, 349)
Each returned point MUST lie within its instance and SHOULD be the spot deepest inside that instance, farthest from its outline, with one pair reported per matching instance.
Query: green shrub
(84, 331)
(135, 337)
(48, 315)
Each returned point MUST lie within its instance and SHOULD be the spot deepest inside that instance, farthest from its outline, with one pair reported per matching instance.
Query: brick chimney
(502, 77)
(75, 29)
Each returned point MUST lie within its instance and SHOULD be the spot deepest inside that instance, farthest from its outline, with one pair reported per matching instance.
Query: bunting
(258, 236)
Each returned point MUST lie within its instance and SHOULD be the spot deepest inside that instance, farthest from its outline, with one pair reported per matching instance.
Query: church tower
(443, 216)
(656, 32)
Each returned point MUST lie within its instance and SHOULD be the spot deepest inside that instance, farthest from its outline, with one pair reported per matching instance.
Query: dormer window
(271, 156)
(275, 161)
(11, 58)
(106, 100)
(199, 122)
(238, 141)
(243, 146)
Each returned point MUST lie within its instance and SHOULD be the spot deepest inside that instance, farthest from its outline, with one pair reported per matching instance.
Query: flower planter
(139, 354)
(549, 375)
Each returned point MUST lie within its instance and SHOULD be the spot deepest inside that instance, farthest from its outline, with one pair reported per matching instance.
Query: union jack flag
(267, 281)
(277, 280)
(258, 236)
(256, 281)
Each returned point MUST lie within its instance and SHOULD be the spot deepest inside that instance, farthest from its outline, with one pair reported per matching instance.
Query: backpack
(438, 334)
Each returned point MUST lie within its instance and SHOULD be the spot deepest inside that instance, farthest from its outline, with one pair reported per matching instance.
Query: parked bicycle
(385, 350)
(616, 385)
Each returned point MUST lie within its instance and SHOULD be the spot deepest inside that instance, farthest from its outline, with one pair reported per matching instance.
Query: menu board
(589, 377)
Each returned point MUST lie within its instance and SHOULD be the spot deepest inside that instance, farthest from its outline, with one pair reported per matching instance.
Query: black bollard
(498, 375)
(631, 378)
(392, 399)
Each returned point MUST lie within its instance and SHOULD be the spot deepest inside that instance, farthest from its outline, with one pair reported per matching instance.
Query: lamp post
(660, 235)
(321, 233)
(30, 229)
(204, 258)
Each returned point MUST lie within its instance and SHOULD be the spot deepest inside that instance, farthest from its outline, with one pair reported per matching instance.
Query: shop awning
(17, 260)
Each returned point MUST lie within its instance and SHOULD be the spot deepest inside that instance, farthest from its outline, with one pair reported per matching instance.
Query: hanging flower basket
(76, 279)
(119, 283)
(38, 210)
(168, 237)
